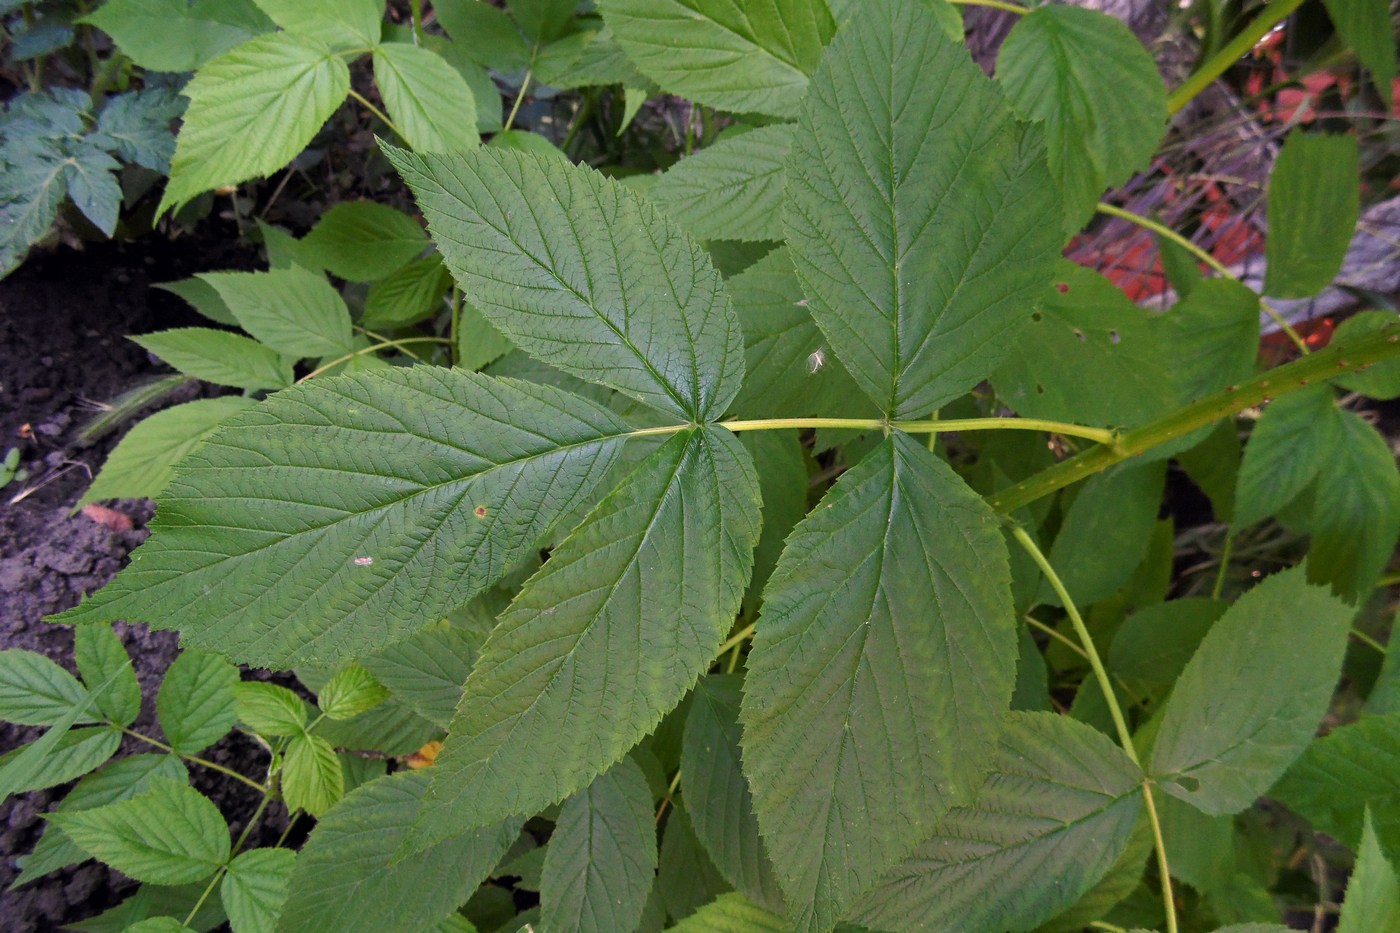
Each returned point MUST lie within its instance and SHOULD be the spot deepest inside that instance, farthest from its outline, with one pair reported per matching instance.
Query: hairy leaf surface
(627, 613)
(346, 513)
(880, 672)
(921, 224)
(583, 274)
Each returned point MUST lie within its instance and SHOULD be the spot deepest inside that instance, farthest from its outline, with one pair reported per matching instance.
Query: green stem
(1168, 233)
(416, 6)
(1115, 711)
(372, 335)
(1233, 51)
(1318, 367)
(519, 99)
(228, 772)
(1224, 565)
(737, 639)
(994, 4)
(1100, 435)
(383, 117)
(223, 869)
(1388, 580)
(1367, 640)
(454, 332)
(383, 345)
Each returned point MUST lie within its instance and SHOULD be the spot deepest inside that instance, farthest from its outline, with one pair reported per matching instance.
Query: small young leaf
(173, 35)
(427, 100)
(482, 467)
(136, 126)
(626, 614)
(75, 753)
(583, 274)
(1279, 647)
(312, 779)
(143, 462)
(731, 191)
(1087, 79)
(101, 656)
(341, 24)
(293, 311)
(220, 357)
(198, 701)
(601, 859)
(269, 710)
(755, 57)
(345, 877)
(1056, 787)
(890, 698)
(1314, 203)
(352, 691)
(361, 241)
(34, 691)
(277, 89)
(920, 224)
(255, 889)
(93, 188)
(171, 834)
(1373, 891)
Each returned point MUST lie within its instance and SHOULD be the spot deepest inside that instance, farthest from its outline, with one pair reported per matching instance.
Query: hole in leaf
(1036, 316)
(1188, 783)
(1079, 335)
(1039, 389)
(1113, 336)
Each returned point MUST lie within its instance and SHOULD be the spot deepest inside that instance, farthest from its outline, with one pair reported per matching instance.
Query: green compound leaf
(220, 357)
(426, 671)
(427, 99)
(1279, 647)
(35, 691)
(75, 753)
(293, 311)
(921, 225)
(601, 859)
(343, 515)
(879, 676)
(1051, 819)
(341, 24)
(101, 658)
(175, 35)
(1344, 773)
(1373, 891)
(731, 191)
(275, 90)
(197, 701)
(361, 241)
(732, 913)
(407, 295)
(1364, 26)
(255, 888)
(169, 835)
(627, 613)
(345, 877)
(1314, 203)
(269, 710)
(716, 793)
(1294, 441)
(1381, 380)
(312, 779)
(352, 691)
(1088, 80)
(583, 274)
(739, 57)
(1356, 510)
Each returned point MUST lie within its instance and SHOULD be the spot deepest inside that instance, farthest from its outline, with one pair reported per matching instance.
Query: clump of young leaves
(56, 147)
(832, 710)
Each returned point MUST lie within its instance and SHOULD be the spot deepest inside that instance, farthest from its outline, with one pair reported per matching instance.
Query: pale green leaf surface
(255, 888)
(1088, 80)
(1356, 510)
(614, 630)
(732, 190)
(169, 835)
(346, 877)
(34, 690)
(601, 859)
(717, 794)
(171, 35)
(293, 311)
(1280, 648)
(361, 241)
(584, 275)
(920, 224)
(439, 475)
(143, 462)
(880, 672)
(1314, 203)
(270, 710)
(196, 701)
(352, 691)
(426, 98)
(739, 57)
(407, 295)
(1365, 27)
(732, 913)
(1051, 819)
(101, 658)
(1373, 890)
(252, 110)
(1340, 775)
(312, 779)
(76, 752)
(341, 24)
(1294, 440)
(220, 357)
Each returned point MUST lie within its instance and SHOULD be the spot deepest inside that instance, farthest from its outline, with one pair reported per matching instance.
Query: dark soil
(63, 322)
